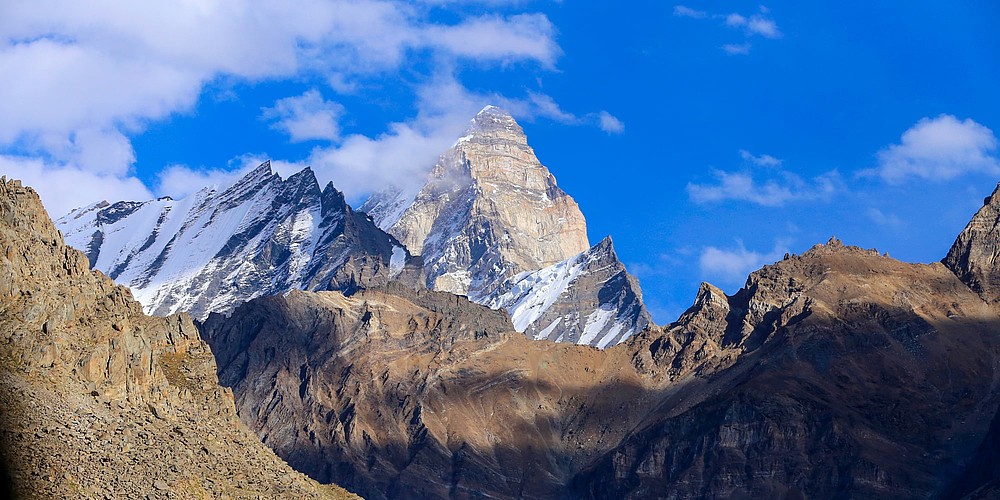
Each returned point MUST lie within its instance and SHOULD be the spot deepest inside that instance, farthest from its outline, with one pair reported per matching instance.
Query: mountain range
(425, 346)
(489, 223)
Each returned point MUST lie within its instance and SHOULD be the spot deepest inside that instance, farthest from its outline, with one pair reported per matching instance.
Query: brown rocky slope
(836, 373)
(99, 400)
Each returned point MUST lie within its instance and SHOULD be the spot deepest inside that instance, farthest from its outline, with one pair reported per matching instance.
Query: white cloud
(684, 11)
(756, 24)
(542, 105)
(403, 154)
(178, 181)
(306, 117)
(939, 149)
(88, 76)
(734, 264)
(772, 188)
(735, 20)
(735, 49)
(74, 187)
(760, 161)
(610, 124)
(524, 36)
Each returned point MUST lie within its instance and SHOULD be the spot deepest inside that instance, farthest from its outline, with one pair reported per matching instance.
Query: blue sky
(707, 138)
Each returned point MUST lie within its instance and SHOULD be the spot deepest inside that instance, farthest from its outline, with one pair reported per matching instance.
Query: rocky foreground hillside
(836, 373)
(99, 400)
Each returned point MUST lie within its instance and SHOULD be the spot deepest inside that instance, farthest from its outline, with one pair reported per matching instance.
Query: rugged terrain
(218, 247)
(401, 393)
(588, 299)
(488, 211)
(491, 223)
(836, 373)
(99, 400)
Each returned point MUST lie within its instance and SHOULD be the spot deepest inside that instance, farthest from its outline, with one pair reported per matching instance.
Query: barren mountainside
(836, 373)
(99, 400)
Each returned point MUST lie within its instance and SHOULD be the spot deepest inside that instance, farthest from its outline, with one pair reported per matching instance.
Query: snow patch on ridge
(397, 260)
(533, 293)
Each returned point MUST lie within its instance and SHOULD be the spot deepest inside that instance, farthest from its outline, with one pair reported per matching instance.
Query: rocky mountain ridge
(490, 223)
(216, 248)
(100, 400)
(836, 373)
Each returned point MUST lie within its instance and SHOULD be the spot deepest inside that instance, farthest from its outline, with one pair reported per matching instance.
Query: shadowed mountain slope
(839, 372)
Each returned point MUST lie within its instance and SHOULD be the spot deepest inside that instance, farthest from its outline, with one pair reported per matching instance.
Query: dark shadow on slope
(872, 401)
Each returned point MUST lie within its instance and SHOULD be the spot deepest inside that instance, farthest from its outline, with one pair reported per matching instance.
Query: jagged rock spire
(974, 255)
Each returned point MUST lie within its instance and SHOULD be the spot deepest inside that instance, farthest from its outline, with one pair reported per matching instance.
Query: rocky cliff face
(837, 373)
(973, 255)
(488, 211)
(217, 248)
(491, 224)
(99, 399)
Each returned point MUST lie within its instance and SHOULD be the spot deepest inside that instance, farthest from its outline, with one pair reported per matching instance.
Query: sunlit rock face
(488, 211)
(491, 223)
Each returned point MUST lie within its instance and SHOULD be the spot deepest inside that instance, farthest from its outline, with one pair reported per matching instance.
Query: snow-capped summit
(491, 223)
(214, 249)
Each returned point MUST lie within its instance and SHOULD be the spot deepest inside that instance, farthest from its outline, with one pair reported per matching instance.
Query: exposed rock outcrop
(100, 400)
(974, 254)
(216, 248)
(837, 373)
(488, 211)
(403, 394)
(857, 376)
(491, 223)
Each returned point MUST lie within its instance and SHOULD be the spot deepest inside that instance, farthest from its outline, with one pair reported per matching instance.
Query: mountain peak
(256, 177)
(972, 255)
(493, 121)
(492, 110)
(605, 245)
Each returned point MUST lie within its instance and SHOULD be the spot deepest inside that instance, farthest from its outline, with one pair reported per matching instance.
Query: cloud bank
(90, 76)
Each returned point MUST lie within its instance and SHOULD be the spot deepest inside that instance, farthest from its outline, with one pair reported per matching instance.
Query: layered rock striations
(216, 248)
(99, 400)
(488, 211)
(491, 223)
